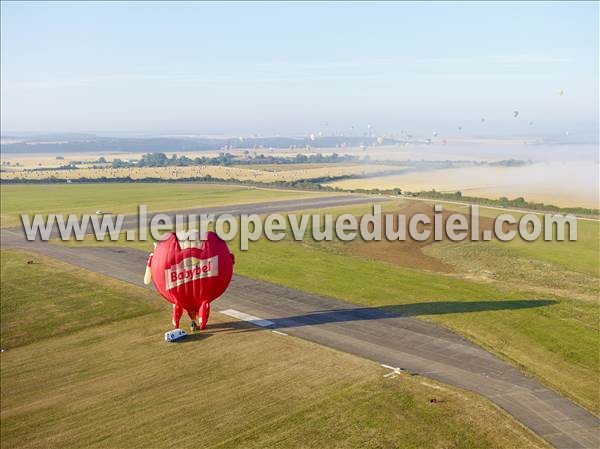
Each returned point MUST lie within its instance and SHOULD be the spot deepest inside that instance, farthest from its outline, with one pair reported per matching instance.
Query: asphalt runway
(319, 202)
(378, 334)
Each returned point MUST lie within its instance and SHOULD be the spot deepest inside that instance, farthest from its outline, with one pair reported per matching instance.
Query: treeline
(228, 159)
(299, 159)
(298, 184)
(510, 163)
(517, 203)
(70, 166)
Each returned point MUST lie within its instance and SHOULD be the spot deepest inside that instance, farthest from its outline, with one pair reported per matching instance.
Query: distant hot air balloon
(460, 128)
(190, 274)
(482, 119)
(515, 114)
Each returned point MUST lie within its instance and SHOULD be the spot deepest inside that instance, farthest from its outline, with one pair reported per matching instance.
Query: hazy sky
(244, 68)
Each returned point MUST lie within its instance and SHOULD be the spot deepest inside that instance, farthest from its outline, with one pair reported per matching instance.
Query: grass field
(556, 342)
(125, 198)
(115, 384)
(582, 255)
(37, 303)
(535, 307)
(534, 304)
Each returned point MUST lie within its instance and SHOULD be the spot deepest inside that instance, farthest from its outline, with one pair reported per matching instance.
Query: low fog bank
(563, 175)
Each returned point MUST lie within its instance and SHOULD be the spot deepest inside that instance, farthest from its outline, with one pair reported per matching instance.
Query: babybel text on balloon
(191, 269)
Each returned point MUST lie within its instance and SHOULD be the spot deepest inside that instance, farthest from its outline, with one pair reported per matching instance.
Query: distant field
(115, 383)
(307, 166)
(125, 198)
(50, 160)
(242, 173)
(488, 292)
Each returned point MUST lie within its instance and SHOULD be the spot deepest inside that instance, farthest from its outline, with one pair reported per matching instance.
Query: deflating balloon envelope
(191, 274)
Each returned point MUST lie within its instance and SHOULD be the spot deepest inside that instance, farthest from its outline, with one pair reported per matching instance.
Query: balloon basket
(175, 335)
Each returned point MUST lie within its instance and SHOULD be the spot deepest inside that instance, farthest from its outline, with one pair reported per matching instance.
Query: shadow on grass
(386, 312)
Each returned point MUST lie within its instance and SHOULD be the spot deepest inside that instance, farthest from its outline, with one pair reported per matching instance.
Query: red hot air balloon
(190, 274)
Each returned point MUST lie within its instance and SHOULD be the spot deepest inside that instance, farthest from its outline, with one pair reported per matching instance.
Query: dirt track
(409, 253)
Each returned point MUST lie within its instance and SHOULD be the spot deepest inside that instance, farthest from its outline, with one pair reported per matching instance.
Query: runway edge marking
(248, 318)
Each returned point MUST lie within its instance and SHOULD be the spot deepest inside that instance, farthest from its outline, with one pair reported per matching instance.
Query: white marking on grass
(395, 370)
(249, 318)
(280, 333)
